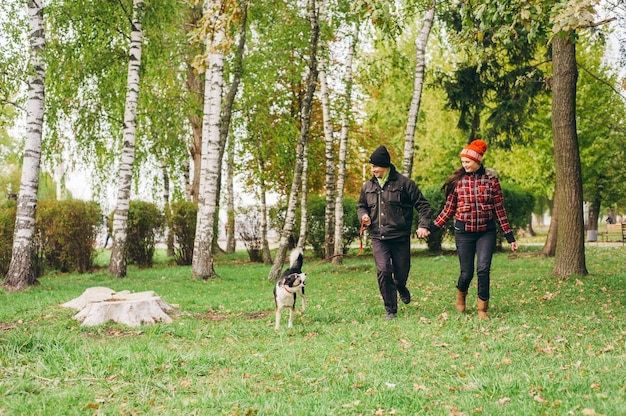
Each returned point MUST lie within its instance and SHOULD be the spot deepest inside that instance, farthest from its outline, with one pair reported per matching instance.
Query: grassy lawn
(552, 347)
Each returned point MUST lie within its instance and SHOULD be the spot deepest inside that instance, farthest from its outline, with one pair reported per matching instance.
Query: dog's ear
(290, 279)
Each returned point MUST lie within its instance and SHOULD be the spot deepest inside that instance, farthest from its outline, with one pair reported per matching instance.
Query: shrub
(437, 201)
(67, 233)
(7, 225)
(182, 224)
(250, 231)
(145, 222)
(519, 205)
(316, 217)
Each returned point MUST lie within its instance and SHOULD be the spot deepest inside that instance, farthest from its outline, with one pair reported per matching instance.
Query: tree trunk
(169, 237)
(227, 111)
(202, 263)
(549, 248)
(303, 197)
(195, 86)
(592, 219)
(117, 265)
(420, 54)
(267, 255)
(570, 245)
(22, 270)
(279, 259)
(98, 305)
(231, 241)
(329, 212)
(343, 147)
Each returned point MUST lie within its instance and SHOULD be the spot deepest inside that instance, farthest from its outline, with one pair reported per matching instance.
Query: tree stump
(98, 305)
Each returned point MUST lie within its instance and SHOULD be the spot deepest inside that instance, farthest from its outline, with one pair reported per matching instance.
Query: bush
(145, 222)
(182, 225)
(251, 233)
(7, 225)
(316, 217)
(437, 201)
(519, 205)
(67, 233)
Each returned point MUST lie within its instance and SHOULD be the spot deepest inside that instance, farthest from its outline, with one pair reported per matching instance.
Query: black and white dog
(290, 283)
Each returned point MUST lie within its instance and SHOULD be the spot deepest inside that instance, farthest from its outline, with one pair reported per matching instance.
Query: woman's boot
(483, 305)
(460, 300)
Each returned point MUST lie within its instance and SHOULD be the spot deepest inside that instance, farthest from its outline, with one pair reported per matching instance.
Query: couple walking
(473, 197)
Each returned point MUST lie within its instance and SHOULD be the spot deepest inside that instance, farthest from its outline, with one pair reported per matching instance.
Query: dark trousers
(393, 261)
(480, 245)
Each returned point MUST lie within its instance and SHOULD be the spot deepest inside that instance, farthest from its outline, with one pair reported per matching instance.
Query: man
(386, 206)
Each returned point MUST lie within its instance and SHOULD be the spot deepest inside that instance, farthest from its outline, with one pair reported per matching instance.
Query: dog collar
(287, 290)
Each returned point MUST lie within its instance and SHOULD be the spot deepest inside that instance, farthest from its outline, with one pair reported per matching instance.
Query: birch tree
(420, 63)
(311, 84)
(303, 197)
(117, 265)
(22, 272)
(329, 155)
(343, 147)
(202, 263)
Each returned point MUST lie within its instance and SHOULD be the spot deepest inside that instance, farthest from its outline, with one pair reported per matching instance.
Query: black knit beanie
(381, 157)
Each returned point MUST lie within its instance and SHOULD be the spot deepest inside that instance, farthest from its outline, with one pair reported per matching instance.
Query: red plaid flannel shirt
(476, 200)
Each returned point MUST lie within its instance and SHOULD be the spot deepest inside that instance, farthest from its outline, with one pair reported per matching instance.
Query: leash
(324, 261)
(361, 236)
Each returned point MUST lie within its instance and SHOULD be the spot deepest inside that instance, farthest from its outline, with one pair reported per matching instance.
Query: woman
(474, 197)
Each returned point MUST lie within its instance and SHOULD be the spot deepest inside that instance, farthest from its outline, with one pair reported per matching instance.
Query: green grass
(552, 346)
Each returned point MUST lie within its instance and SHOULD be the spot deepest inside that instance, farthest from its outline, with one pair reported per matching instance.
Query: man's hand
(422, 232)
(366, 220)
(514, 246)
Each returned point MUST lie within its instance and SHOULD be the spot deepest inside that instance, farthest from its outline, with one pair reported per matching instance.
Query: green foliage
(316, 211)
(182, 226)
(544, 351)
(437, 201)
(145, 222)
(7, 226)
(519, 204)
(67, 233)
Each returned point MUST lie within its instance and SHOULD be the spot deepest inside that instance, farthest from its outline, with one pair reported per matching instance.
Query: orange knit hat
(475, 150)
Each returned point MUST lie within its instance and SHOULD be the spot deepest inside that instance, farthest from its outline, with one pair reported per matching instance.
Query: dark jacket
(476, 203)
(391, 208)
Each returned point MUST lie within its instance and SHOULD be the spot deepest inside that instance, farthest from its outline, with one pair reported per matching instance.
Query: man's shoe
(405, 295)
(390, 315)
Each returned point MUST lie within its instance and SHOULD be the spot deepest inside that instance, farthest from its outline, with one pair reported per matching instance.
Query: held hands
(422, 232)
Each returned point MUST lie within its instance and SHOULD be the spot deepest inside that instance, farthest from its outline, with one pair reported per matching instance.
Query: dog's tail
(296, 258)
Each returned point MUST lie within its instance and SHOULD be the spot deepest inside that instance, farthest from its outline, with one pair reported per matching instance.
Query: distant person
(106, 229)
(609, 218)
(474, 198)
(386, 206)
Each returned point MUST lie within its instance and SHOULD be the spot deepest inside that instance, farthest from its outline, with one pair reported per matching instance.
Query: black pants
(480, 245)
(393, 261)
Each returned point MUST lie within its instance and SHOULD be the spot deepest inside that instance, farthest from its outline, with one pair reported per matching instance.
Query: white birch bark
(117, 265)
(343, 146)
(22, 271)
(303, 197)
(329, 212)
(231, 242)
(267, 255)
(420, 63)
(202, 263)
(311, 84)
(329, 228)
